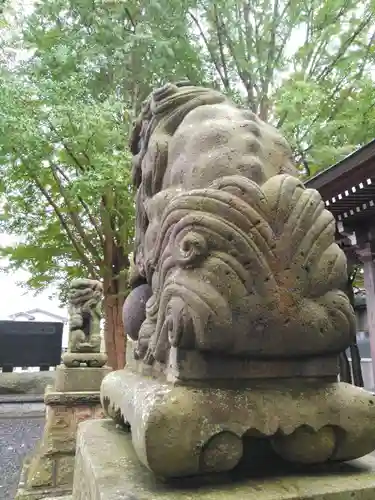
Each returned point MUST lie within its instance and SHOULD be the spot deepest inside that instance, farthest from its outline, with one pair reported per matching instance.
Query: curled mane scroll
(238, 258)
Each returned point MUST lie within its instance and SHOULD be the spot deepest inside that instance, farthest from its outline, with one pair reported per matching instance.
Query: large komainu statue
(240, 256)
(237, 294)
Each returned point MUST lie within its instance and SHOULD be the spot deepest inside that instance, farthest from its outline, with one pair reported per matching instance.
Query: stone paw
(305, 445)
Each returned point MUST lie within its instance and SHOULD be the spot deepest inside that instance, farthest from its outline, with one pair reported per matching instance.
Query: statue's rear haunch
(237, 311)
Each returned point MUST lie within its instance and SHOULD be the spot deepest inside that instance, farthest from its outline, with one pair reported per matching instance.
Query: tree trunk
(115, 264)
(115, 340)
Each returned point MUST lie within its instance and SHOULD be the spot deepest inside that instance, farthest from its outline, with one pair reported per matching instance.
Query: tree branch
(219, 34)
(78, 247)
(75, 219)
(245, 76)
(271, 64)
(84, 205)
(82, 169)
(283, 43)
(343, 48)
(208, 47)
(66, 147)
(130, 18)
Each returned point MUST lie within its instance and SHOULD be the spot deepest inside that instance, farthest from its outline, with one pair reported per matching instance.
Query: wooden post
(365, 252)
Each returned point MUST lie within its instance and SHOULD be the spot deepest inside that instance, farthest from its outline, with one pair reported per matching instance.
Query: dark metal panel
(30, 343)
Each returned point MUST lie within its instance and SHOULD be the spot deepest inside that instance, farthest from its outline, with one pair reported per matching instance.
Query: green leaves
(299, 65)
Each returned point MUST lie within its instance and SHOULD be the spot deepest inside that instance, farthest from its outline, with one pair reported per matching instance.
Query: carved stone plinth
(184, 431)
(74, 398)
(50, 470)
(195, 368)
(91, 359)
(79, 379)
(107, 468)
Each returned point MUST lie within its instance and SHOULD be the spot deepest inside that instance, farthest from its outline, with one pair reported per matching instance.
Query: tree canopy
(67, 106)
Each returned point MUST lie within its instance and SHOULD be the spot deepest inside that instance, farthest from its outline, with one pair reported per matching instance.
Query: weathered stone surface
(174, 428)
(41, 472)
(26, 382)
(134, 310)
(84, 324)
(65, 471)
(50, 471)
(65, 497)
(55, 443)
(237, 309)
(91, 359)
(240, 257)
(75, 398)
(58, 419)
(193, 368)
(107, 469)
(61, 493)
(79, 379)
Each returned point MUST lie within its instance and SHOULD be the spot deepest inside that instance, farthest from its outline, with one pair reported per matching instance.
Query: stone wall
(33, 383)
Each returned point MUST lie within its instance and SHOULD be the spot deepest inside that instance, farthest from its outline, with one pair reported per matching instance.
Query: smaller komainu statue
(238, 313)
(85, 298)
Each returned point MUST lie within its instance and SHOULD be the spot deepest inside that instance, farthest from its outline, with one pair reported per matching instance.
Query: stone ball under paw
(134, 310)
(222, 452)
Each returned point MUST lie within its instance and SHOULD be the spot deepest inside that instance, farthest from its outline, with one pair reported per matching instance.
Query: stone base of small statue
(107, 468)
(179, 430)
(90, 359)
(83, 379)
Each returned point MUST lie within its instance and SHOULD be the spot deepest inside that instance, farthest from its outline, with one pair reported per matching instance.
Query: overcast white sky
(14, 299)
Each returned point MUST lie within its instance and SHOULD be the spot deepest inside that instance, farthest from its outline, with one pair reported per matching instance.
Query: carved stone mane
(174, 111)
(240, 256)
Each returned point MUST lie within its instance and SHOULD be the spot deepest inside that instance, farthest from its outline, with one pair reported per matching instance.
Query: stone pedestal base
(183, 431)
(50, 471)
(108, 469)
(65, 497)
(79, 379)
(90, 359)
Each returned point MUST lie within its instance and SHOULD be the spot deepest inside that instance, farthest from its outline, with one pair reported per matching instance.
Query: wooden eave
(348, 187)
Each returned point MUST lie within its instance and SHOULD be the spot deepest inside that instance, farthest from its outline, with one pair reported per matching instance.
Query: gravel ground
(21, 426)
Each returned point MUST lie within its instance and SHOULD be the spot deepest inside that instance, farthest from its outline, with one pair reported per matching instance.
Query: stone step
(65, 497)
(21, 398)
(107, 468)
